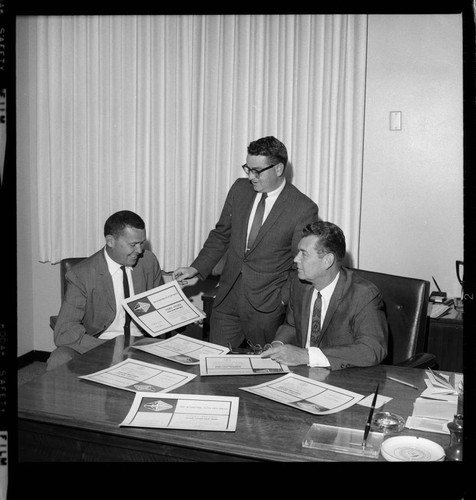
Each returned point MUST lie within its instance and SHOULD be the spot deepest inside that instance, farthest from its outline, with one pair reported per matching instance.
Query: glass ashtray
(388, 422)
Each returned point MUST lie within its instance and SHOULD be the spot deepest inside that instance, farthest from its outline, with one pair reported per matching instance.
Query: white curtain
(154, 114)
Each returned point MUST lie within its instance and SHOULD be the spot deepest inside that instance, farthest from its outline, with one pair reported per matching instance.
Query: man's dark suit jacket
(355, 330)
(266, 266)
(89, 305)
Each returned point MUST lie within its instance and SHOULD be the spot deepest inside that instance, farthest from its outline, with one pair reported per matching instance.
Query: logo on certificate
(158, 406)
(142, 307)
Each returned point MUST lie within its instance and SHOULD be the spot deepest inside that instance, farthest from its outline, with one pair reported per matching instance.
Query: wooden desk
(63, 418)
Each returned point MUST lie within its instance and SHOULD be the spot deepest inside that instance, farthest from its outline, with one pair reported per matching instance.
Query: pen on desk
(369, 420)
(439, 289)
(402, 382)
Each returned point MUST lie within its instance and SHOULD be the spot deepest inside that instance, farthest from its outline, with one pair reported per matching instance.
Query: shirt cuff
(317, 358)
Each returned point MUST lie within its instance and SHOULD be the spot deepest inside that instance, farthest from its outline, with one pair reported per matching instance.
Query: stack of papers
(437, 405)
(437, 311)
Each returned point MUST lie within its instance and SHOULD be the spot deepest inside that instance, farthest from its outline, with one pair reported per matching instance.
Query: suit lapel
(306, 311)
(106, 278)
(335, 300)
(244, 207)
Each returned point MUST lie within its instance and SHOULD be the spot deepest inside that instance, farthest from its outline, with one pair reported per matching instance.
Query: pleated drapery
(154, 114)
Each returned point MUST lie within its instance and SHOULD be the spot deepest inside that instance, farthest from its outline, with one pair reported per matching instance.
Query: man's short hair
(331, 237)
(269, 146)
(116, 223)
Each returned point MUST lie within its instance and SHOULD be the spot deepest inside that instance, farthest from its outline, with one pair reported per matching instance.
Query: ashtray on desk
(388, 422)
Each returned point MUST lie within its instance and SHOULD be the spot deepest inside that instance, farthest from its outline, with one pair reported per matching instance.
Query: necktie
(127, 323)
(257, 221)
(316, 320)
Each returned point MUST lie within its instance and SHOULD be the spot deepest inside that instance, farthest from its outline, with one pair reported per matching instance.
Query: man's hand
(184, 275)
(287, 354)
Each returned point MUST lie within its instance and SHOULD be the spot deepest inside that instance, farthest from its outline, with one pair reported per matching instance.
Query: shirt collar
(112, 265)
(277, 191)
(327, 291)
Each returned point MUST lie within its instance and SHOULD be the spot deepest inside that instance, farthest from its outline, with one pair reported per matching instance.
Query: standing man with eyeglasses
(252, 292)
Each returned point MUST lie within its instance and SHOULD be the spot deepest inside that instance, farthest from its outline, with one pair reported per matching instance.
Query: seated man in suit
(335, 318)
(91, 311)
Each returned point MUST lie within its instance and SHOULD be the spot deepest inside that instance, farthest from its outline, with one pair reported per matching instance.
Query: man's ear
(110, 241)
(279, 169)
(329, 260)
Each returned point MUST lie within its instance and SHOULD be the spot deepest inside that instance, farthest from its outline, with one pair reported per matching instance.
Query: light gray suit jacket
(265, 268)
(355, 329)
(89, 305)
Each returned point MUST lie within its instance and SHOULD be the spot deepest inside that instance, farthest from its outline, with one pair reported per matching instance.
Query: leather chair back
(406, 306)
(65, 266)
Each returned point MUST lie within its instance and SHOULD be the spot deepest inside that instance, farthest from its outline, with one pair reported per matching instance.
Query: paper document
(437, 311)
(183, 411)
(381, 400)
(306, 394)
(434, 408)
(437, 404)
(183, 349)
(439, 382)
(443, 387)
(134, 375)
(162, 309)
(427, 424)
(240, 365)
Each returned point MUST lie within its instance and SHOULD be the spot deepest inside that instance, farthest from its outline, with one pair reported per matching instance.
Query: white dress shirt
(316, 356)
(117, 326)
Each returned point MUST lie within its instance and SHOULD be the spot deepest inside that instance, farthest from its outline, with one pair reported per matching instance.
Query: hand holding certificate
(162, 309)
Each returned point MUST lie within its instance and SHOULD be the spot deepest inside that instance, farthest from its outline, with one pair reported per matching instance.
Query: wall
(412, 209)
(412, 201)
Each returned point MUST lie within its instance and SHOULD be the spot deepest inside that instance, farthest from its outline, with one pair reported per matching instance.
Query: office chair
(406, 307)
(65, 266)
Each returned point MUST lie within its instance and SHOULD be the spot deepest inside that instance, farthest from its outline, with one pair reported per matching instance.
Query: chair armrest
(420, 360)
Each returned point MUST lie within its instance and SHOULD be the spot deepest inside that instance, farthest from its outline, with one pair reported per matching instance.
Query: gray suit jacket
(89, 305)
(355, 330)
(265, 268)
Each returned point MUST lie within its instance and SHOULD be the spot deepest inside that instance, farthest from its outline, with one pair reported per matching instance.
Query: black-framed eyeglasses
(256, 348)
(256, 172)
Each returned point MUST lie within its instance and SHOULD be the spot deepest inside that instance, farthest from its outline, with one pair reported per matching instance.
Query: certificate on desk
(134, 375)
(183, 349)
(162, 309)
(306, 394)
(240, 365)
(183, 411)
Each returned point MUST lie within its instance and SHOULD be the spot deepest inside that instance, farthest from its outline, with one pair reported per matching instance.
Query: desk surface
(58, 411)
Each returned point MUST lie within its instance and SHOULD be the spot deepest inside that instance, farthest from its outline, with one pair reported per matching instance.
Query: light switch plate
(395, 120)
